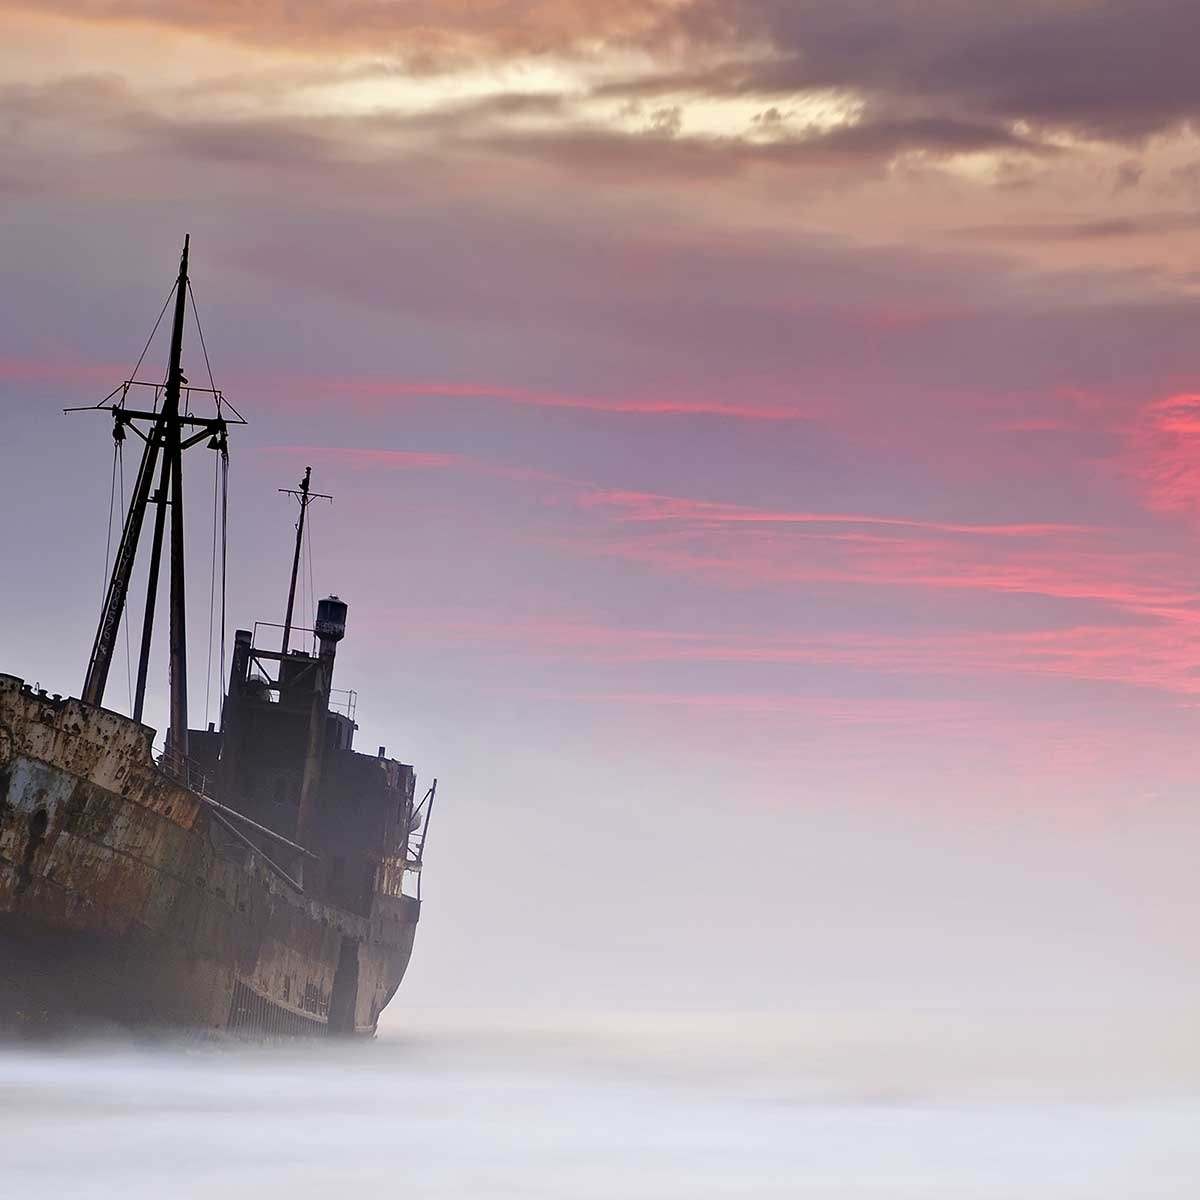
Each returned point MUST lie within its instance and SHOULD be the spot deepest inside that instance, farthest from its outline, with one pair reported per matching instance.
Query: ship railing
(295, 629)
(341, 700)
(418, 832)
(182, 769)
(188, 773)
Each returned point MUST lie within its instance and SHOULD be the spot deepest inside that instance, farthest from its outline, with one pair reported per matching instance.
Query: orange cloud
(427, 31)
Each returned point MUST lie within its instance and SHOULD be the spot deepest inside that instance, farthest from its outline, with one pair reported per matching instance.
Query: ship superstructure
(252, 878)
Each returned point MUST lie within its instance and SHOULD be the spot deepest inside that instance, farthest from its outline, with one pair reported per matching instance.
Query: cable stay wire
(312, 591)
(303, 573)
(224, 563)
(137, 366)
(212, 591)
(125, 615)
(124, 387)
(117, 489)
(220, 398)
(112, 499)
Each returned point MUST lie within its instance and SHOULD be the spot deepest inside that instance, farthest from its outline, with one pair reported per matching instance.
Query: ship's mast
(177, 735)
(305, 497)
(160, 498)
(164, 435)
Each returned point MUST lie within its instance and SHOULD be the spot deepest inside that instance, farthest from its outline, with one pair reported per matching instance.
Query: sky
(764, 439)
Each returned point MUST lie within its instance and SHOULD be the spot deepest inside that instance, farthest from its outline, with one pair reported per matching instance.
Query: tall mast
(291, 604)
(177, 735)
(166, 431)
(162, 496)
(118, 586)
(306, 498)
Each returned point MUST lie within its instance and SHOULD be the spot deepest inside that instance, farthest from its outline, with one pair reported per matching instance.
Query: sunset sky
(765, 440)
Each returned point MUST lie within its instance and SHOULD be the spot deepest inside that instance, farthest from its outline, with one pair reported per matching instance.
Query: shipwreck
(259, 877)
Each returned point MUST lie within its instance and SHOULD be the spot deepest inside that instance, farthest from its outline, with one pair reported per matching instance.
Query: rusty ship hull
(125, 897)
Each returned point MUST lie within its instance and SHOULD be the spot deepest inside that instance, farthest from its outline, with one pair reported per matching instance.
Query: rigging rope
(112, 499)
(137, 365)
(125, 622)
(303, 535)
(312, 591)
(117, 488)
(224, 560)
(221, 521)
(212, 591)
(199, 329)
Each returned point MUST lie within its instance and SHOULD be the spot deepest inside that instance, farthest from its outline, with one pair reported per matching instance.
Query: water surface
(619, 1106)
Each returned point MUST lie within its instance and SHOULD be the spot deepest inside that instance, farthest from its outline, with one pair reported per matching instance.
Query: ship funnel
(330, 628)
(331, 619)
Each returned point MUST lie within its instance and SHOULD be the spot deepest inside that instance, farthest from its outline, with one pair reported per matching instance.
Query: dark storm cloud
(1111, 69)
(403, 226)
(880, 329)
(864, 147)
(100, 112)
(104, 109)
(1119, 69)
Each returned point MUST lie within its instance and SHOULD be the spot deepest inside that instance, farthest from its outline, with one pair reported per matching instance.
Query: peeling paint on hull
(123, 900)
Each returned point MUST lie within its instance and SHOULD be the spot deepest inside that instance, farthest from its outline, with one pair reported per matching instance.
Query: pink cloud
(1063, 567)
(22, 370)
(375, 394)
(649, 506)
(832, 710)
(746, 547)
(374, 391)
(1165, 454)
(358, 457)
(1162, 655)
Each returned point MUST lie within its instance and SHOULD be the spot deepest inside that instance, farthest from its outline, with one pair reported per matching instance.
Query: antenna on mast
(305, 497)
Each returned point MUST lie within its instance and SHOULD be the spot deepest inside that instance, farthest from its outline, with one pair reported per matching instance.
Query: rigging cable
(224, 560)
(220, 517)
(117, 487)
(203, 347)
(312, 591)
(125, 621)
(212, 590)
(302, 533)
(137, 365)
(112, 499)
